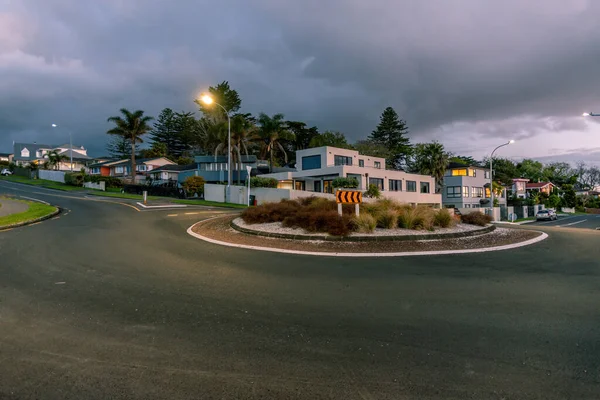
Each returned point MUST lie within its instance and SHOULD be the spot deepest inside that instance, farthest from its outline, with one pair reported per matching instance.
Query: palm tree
(242, 129)
(271, 130)
(432, 159)
(131, 126)
(54, 159)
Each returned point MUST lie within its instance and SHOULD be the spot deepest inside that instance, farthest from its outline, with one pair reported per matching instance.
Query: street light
(70, 144)
(208, 100)
(590, 114)
(492, 175)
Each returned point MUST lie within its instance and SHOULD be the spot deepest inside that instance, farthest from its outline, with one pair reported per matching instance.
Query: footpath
(8, 207)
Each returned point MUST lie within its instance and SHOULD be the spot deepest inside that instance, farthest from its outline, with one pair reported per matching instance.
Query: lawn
(125, 195)
(42, 183)
(35, 211)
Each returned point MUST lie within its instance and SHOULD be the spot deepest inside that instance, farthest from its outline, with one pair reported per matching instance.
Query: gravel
(219, 229)
(275, 227)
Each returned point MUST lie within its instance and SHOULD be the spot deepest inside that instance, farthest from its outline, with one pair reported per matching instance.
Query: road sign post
(348, 197)
(145, 196)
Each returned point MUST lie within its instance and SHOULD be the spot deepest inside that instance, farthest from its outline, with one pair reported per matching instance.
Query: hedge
(259, 182)
(346, 183)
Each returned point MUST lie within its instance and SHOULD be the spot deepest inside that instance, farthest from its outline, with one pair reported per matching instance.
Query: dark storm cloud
(491, 69)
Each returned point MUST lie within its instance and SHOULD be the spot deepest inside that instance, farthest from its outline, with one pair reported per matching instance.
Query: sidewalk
(12, 207)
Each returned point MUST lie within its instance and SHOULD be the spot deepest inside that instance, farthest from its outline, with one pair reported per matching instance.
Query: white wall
(96, 186)
(214, 192)
(56, 176)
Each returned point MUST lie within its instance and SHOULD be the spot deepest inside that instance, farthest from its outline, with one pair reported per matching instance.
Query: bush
(372, 192)
(194, 185)
(259, 182)
(476, 218)
(347, 183)
(74, 178)
(388, 219)
(365, 223)
(419, 217)
(443, 219)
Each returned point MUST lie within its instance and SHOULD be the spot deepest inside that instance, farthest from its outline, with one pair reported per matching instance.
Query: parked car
(548, 215)
(5, 172)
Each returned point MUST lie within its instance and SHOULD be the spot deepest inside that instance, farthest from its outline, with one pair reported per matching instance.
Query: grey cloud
(491, 69)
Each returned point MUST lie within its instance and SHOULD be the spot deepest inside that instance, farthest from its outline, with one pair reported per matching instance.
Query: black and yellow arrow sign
(348, 197)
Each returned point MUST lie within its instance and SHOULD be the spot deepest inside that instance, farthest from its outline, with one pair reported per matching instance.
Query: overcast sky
(469, 73)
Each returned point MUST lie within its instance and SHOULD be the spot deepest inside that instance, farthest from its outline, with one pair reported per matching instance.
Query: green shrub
(259, 182)
(373, 192)
(347, 183)
(388, 219)
(74, 178)
(476, 218)
(443, 219)
(193, 185)
(365, 223)
(419, 217)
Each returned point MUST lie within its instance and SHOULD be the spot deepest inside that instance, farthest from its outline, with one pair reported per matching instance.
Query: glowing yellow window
(459, 172)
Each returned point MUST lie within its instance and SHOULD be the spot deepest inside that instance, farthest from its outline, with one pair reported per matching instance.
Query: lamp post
(249, 169)
(590, 114)
(492, 175)
(208, 100)
(70, 144)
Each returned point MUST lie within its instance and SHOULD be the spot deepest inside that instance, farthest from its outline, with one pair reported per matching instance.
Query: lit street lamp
(208, 100)
(492, 175)
(590, 114)
(70, 144)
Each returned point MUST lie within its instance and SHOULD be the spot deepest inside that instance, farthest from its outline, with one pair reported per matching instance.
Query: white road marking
(192, 213)
(59, 283)
(172, 215)
(165, 206)
(572, 223)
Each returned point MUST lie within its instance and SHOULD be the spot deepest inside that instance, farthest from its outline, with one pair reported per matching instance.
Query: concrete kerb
(433, 236)
(33, 221)
(190, 232)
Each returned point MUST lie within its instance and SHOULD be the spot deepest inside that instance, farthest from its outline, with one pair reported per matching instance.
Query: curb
(434, 236)
(190, 232)
(33, 221)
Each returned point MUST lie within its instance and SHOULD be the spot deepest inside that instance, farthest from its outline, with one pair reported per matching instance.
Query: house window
(486, 174)
(467, 206)
(487, 192)
(327, 186)
(25, 153)
(377, 182)
(317, 186)
(95, 170)
(342, 160)
(411, 186)
(477, 191)
(141, 167)
(118, 170)
(38, 154)
(459, 172)
(474, 172)
(311, 162)
(453, 191)
(395, 185)
(377, 164)
(299, 185)
(361, 163)
(424, 187)
(465, 191)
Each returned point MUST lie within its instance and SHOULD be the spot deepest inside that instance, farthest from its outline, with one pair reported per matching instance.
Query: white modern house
(467, 186)
(316, 169)
(28, 153)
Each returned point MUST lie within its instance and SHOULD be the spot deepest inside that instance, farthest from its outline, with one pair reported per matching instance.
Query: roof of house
(538, 185)
(223, 159)
(139, 161)
(76, 155)
(175, 168)
(455, 165)
(101, 163)
(32, 147)
(6, 154)
(520, 180)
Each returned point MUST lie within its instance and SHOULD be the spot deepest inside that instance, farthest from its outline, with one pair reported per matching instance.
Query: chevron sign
(348, 197)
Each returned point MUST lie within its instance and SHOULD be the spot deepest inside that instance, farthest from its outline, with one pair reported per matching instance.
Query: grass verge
(42, 183)
(120, 195)
(35, 211)
(207, 203)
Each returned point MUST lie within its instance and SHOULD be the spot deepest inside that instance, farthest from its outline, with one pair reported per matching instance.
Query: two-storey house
(468, 187)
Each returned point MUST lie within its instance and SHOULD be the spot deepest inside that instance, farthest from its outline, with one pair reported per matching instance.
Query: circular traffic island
(234, 232)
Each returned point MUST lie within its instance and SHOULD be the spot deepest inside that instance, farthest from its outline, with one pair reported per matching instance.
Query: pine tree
(119, 147)
(391, 133)
(165, 131)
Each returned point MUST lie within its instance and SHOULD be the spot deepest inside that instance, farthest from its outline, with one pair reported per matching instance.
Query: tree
(176, 130)
(464, 160)
(587, 177)
(569, 198)
(430, 159)
(559, 173)
(132, 126)
(504, 170)
(54, 159)
(391, 133)
(373, 149)
(530, 169)
(119, 147)
(193, 185)
(329, 138)
(225, 96)
(270, 132)
(157, 150)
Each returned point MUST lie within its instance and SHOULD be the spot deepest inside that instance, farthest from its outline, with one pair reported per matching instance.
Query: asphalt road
(107, 302)
(589, 221)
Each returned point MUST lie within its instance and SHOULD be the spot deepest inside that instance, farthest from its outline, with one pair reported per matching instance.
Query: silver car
(547, 215)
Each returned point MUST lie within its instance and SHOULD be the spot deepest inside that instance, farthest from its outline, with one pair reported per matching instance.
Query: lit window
(25, 153)
(459, 172)
(477, 192)
(465, 191)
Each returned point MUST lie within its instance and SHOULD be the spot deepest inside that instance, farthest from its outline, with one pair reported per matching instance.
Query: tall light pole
(208, 100)
(590, 114)
(492, 175)
(70, 144)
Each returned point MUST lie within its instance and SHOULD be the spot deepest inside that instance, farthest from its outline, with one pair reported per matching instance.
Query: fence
(56, 176)
(96, 186)
(239, 194)
(25, 172)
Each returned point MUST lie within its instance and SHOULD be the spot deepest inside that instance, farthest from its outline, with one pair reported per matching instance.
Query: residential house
(27, 153)
(542, 187)
(519, 188)
(122, 168)
(214, 169)
(468, 186)
(173, 173)
(316, 169)
(7, 157)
